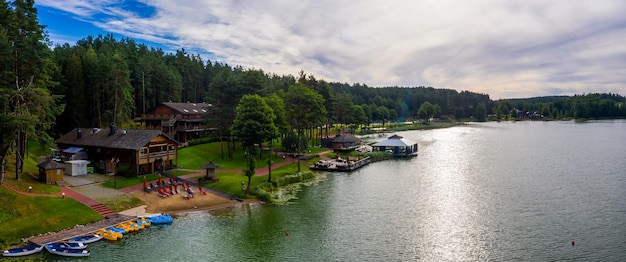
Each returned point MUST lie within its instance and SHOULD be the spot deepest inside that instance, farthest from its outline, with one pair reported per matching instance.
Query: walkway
(81, 231)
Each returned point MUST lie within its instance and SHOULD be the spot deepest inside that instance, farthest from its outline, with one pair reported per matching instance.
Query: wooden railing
(162, 154)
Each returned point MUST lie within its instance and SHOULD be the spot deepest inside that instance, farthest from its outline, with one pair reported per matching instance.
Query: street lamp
(115, 160)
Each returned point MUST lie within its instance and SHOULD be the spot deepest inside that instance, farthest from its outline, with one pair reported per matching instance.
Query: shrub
(202, 140)
(262, 191)
(125, 170)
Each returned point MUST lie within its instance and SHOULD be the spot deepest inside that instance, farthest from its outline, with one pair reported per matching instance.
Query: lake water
(482, 192)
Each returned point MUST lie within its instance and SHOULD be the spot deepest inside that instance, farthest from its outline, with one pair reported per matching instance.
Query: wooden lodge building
(180, 121)
(143, 151)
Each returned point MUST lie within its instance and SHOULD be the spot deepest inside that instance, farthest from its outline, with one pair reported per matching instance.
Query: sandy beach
(91, 187)
(177, 203)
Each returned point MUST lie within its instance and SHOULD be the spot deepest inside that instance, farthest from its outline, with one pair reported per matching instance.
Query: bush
(378, 155)
(262, 191)
(203, 140)
(125, 170)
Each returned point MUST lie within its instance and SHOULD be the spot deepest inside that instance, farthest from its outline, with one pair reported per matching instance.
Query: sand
(177, 204)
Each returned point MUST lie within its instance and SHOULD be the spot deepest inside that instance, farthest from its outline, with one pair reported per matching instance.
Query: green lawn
(31, 171)
(23, 216)
(195, 156)
(231, 182)
(27, 180)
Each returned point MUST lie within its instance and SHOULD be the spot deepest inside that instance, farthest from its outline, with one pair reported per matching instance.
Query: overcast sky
(507, 49)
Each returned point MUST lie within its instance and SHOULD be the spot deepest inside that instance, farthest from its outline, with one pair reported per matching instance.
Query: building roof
(49, 164)
(395, 141)
(101, 137)
(346, 138)
(188, 108)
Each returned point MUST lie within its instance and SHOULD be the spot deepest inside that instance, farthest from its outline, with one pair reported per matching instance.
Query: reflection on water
(494, 191)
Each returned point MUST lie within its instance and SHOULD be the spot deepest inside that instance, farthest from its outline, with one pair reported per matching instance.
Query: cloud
(502, 48)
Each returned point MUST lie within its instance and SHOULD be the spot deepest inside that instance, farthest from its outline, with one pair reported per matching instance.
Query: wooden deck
(81, 231)
(350, 167)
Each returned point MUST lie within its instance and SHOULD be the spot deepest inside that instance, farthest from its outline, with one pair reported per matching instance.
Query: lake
(529, 191)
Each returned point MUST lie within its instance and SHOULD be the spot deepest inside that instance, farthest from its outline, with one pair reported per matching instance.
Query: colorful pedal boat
(161, 219)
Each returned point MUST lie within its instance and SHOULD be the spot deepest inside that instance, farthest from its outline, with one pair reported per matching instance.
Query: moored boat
(161, 219)
(110, 235)
(85, 239)
(68, 252)
(22, 251)
(67, 245)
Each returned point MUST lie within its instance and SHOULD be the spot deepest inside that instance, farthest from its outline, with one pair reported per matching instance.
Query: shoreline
(141, 210)
(175, 204)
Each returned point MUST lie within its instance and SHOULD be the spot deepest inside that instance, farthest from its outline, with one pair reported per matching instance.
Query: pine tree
(28, 108)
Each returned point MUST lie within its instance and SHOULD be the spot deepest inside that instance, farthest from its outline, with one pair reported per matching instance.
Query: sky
(506, 49)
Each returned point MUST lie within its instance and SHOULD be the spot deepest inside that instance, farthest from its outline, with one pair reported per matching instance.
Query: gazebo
(51, 171)
(341, 142)
(399, 146)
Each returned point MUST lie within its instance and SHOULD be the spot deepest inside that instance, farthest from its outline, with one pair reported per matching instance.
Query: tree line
(48, 90)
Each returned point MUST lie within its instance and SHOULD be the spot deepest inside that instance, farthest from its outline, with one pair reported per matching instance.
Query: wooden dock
(331, 165)
(81, 231)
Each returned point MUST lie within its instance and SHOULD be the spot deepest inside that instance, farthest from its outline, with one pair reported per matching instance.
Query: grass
(123, 182)
(27, 180)
(30, 176)
(121, 203)
(194, 157)
(231, 182)
(22, 216)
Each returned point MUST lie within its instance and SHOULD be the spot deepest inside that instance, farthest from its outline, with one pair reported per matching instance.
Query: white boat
(67, 245)
(68, 252)
(22, 251)
(85, 239)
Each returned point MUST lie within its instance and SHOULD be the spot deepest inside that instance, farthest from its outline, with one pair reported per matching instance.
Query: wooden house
(181, 121)
(51, 171)
(142, 151)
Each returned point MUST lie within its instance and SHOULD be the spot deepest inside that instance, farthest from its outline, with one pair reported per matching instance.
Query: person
(30, 188)
(63, 195)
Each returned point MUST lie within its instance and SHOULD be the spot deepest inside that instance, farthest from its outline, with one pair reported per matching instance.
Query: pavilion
(399, 146)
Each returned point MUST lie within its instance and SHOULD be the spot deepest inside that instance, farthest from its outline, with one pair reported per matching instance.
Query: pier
(82, 230)
(340, 165)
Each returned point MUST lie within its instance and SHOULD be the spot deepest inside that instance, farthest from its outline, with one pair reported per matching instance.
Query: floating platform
(339, 165)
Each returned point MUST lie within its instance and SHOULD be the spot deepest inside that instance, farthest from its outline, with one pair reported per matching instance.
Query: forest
(103, 80)
(47, 90)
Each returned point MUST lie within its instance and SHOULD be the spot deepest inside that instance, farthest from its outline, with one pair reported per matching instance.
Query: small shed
(76, 167)
(399, 146)
(51, 171)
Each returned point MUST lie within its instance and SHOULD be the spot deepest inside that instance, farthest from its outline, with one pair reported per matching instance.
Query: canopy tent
(76, 167)
(73, 150)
